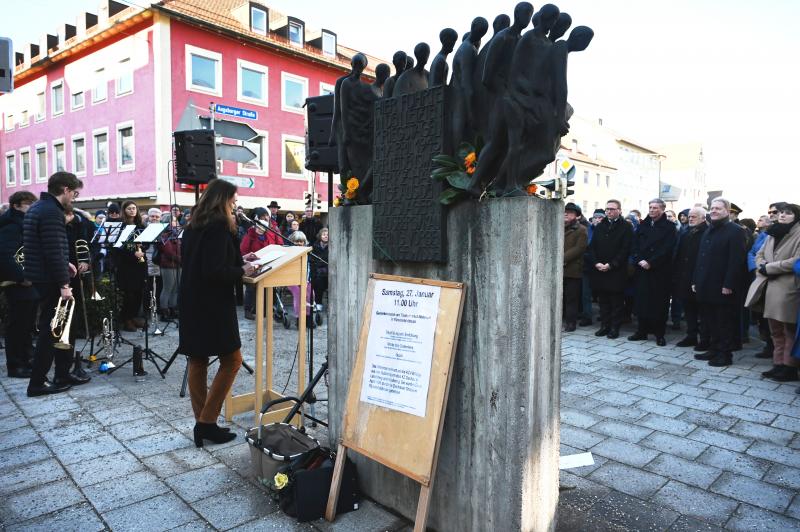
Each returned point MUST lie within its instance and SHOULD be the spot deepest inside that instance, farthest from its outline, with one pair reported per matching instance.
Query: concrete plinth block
(498, 463)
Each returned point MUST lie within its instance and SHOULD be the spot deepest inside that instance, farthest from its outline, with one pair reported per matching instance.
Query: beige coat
(780, 295)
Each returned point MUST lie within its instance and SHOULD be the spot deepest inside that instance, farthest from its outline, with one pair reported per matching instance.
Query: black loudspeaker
(319, 156)
(195, 156)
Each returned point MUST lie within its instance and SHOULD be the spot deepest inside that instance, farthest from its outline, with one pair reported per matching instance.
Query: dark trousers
(320, 286)
(131, 302)
(695, 323)
(675, 310)
(572, 299)
(654, 326)
(19, 326)
(586, 298)
(612, 309)
(722, 322)
(45, 352)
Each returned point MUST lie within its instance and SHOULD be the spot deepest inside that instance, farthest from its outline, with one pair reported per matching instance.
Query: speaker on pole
(319, 156)
(195, 156)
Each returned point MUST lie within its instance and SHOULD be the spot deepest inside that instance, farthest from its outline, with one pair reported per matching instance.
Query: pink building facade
(105, 102)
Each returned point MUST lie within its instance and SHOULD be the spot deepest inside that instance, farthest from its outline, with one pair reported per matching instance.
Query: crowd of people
(719, 275)
(33, 232)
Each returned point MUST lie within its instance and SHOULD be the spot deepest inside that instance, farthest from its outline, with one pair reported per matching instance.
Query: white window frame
(22, 121)
(53, 85)
(264, 172)
(123, 72)
(286, 76)
(118, 142)
(22, 180)
(266, 20)
(54, 162)
(41, 178)
(298, 177)
(326, 86)
(302, 34)
(100, 72)
(73, 154)
(322, 44)
(8, 120)
(72, 106)
(40, 117)
(208, 54)
(240, 64)
(10, 155)
(95, 169)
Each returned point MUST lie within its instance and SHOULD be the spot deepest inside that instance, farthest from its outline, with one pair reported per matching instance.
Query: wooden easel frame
(291, 269)
(423, 468)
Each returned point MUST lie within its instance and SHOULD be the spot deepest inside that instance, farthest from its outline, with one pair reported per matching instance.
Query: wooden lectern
(291, 269)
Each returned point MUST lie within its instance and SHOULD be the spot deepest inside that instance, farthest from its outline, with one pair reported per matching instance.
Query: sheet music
(151, 233)
(268, 254)
(108, 232)
(127, 231)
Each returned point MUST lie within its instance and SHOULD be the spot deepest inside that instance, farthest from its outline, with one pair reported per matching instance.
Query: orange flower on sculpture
(470, 159)
(470, 170)
(337, 201)
(531, 189)
(350, 194)
(352, 184)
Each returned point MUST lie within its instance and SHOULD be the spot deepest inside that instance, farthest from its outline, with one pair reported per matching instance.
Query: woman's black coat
(611, 244)
(685, 260)
(130, 271)
(655, 243)
(212, 265)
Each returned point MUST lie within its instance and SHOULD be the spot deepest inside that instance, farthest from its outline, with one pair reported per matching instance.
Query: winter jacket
(685, 261)
(575, 241)
(721, 263)
(11, 224)
(610, 244)
(252, 241)
(761, 237)
(778, 293)
(46, 246)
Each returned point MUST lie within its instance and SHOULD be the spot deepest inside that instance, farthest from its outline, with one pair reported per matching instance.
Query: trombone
(19, 258)
(84, 255)
(61, 322)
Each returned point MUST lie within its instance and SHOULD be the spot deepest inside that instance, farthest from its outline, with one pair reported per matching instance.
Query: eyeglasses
(75, 193)
(772, 212)
(611, 209)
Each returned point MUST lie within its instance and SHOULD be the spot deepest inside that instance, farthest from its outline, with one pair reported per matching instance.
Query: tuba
(19, 258)
(61, 322)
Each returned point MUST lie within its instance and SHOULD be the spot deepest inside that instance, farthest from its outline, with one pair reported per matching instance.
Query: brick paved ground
(677, 445)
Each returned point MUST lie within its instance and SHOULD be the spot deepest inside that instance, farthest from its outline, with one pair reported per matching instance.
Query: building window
(296, 33)
(597, 178)
(259, 165)
(258, 20)
(203, 71)
(328, 44)
(585, 206)
(77, 100)
(608, 181)
(252, 83)
(24, 119)
(41, 107)
(41, 162)
(11, 169)
(325, 88)
(124, 84)
(295, 92)
(294, 157)
(9, 122)
(125, 147)
(59, 156)
(79, 155)
(574, 145)
(100, 151)
(100, 90)
(25, 163)
(585, 177)
(57, 95)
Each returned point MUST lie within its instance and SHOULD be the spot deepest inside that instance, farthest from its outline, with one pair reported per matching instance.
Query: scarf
(779, 230)
(720, 222)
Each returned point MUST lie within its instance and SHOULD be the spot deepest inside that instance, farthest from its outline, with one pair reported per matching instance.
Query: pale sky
(721, 72)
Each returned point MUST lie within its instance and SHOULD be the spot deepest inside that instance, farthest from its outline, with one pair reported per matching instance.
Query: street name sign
(241, 182)
(236, 112)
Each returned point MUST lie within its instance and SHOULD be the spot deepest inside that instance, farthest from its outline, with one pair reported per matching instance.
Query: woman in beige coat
(777, 290)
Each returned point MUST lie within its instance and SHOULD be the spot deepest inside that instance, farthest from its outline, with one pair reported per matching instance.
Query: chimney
(33, 51)
(85, 22)
(48, 42)
(19, 58)
(600, 121)
(69, 31)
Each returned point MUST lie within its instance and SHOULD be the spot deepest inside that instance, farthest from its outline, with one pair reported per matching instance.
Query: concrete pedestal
(498, 463)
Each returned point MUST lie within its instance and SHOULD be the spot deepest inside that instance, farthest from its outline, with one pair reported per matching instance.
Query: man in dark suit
(653, 245)
(719, 282)
(685, 261)
(608, 260)
(47, 266)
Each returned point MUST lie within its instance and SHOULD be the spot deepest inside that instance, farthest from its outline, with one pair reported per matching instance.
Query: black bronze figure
(560, 28)
(501, 22)
(439, 68)
(399, 62)
(415, 79)
(357, 103)
(382, 72)
(463, 104)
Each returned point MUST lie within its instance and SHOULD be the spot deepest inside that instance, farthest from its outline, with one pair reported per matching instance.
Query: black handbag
(305, 495)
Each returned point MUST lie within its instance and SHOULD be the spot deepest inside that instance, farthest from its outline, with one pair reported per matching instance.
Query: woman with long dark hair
(131, 271)
(212, 265)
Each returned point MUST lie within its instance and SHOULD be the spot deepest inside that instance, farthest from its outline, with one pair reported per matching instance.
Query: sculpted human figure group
(511, 94)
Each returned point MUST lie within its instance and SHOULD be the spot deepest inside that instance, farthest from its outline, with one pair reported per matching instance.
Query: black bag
(306, 495)
(156, 259)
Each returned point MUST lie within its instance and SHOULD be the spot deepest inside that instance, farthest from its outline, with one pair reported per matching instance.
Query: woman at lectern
(212, 265)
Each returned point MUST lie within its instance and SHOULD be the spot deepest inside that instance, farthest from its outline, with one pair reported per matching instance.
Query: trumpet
(108, 340)
(19, 258)
(154, 311)
(61, 322)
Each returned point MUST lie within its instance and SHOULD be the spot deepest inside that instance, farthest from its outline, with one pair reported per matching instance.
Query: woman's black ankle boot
(212, 433)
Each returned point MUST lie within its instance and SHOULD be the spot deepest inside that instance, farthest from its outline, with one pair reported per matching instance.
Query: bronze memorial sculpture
(439, 68)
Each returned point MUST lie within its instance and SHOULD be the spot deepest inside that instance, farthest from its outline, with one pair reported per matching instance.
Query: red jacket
(252, 241)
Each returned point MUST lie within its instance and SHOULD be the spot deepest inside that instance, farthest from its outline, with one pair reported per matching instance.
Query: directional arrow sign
(241, 182)
(240, 154)
(229, 129)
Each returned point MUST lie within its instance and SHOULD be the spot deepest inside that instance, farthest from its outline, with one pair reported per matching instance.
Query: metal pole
(330, 190)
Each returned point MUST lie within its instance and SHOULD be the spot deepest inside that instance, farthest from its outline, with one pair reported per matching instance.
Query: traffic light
(318, 201)
(307, 197)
